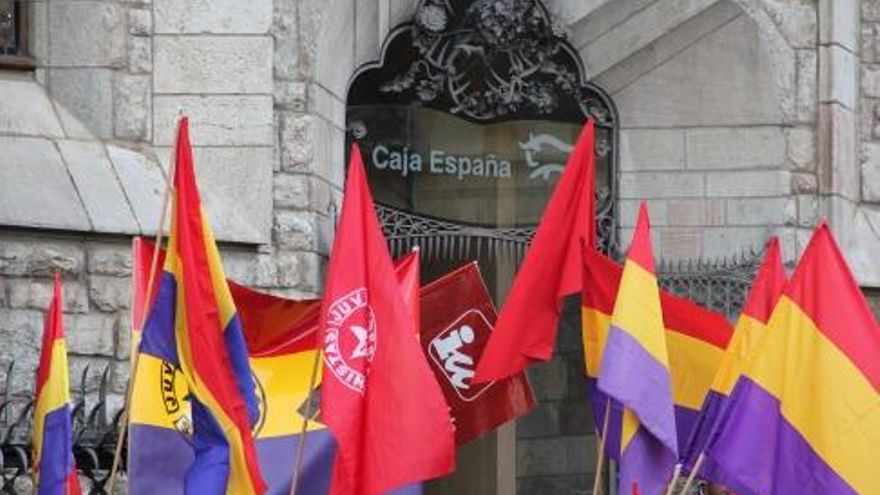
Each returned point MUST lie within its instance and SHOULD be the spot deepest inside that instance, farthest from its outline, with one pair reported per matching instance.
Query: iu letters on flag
(804, 416)
(378, 397)
(457, 320)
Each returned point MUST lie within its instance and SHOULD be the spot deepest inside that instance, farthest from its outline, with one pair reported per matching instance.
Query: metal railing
(94, 434)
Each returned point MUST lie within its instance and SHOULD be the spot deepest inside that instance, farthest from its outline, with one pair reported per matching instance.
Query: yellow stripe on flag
(823, 394)
(637, 311)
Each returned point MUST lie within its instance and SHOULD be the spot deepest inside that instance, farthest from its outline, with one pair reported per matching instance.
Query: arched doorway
(465, 123)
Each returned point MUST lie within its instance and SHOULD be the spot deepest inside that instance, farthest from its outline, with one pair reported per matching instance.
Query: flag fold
(379, 398)
(635, 370)
(526, 327)
(54, 466)
(804, 416)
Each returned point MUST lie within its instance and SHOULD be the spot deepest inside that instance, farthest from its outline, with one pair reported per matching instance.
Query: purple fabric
(633, 377)
(756, 447)
(647, 462)
(598, 401)
(685, 420)
(158, 460)
(696, 442)
(277, 455)
(56, 454)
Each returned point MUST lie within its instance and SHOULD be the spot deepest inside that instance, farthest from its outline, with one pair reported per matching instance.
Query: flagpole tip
(416, 249)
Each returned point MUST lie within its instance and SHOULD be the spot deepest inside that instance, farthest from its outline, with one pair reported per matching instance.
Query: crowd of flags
(370, 389)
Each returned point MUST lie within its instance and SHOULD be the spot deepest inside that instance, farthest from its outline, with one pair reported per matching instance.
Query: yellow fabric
(745, 337)
(822, 394)
(55, 393)
(637, 311)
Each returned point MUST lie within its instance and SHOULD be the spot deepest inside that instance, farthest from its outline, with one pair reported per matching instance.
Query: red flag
(552, 269)
(408, 274)
(379, 397)
(457, 319)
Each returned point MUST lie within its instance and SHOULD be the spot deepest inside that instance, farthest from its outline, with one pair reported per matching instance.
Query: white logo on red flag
(454, 349)
(350, 340)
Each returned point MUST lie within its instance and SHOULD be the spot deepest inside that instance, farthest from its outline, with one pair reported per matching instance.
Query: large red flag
(379, 397)
(552, 269)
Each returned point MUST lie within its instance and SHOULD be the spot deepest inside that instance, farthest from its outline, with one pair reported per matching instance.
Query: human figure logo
(454, 352)
(350, 339)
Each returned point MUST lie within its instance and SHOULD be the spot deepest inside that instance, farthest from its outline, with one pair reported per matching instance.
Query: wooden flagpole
(600, 461)
(694, 472)
(154, 266)
(675, 476)
(301, 445)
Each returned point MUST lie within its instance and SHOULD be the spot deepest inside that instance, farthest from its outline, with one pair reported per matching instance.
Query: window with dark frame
(14, 35)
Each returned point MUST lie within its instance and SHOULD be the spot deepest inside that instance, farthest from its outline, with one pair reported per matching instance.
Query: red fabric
(526, 328)
(822, 275)
(408, 274)
(768, 284)
(640, 249)
(602, 277)
(142, 260)
(210, 357)
(379, 397)
(457, 319)
(53, 329)
(275, 326)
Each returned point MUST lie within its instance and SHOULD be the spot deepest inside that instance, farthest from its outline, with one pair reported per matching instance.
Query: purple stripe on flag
(158, 338)
(158, 460)
(632, 376)
(597, 403)
(277, 455)
(756, 443)
(685, 421)
(56, 454)
(646, 461)
(696, 442)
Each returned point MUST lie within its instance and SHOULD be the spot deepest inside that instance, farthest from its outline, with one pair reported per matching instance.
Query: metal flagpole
(154, 265)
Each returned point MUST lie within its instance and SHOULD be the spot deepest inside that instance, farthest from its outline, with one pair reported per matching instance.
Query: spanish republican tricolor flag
(635, 371)
(695, 338)
(54, 468)
(750, 327)
(194, 325)
(804, 417)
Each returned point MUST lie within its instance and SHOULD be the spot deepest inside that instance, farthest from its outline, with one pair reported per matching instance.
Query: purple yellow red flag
(696, 339)
(281, 339)
(378, 396)
(526, 327)
(457, 320)
(193, 325)
(804, 416)
(635, 370)
(54, 466)
(750, 327)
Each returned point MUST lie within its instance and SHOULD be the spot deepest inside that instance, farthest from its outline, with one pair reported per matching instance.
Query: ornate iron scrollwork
(438, 238)
(94, 436)
(493, 58)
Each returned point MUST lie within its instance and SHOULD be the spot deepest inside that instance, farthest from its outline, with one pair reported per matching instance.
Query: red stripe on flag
(823, 275)
(210, 358)
(768, 285)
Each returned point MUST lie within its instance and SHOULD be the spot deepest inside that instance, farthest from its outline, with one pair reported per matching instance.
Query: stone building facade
(738, 118)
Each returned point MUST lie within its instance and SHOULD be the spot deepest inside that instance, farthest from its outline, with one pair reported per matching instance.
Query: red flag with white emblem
(379, 397)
